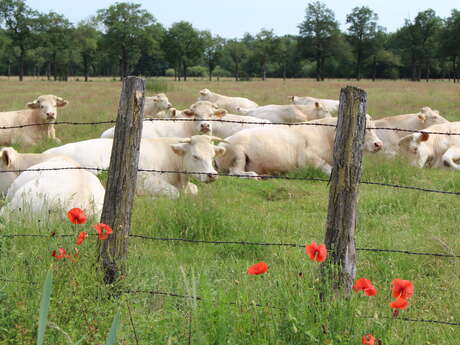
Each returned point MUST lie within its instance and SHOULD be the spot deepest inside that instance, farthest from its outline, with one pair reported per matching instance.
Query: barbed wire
(227, 121)
(243, 243)
(259, 177)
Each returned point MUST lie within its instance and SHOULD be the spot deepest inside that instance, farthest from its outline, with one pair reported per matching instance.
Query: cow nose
(205, 127)
(378, 146)
(50, 115)
(212, 177)
(169, 105)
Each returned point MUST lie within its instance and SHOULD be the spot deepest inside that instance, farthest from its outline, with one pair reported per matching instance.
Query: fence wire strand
(396, 129)
(258, 177)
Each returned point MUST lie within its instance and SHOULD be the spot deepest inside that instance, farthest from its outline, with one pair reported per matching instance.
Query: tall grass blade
(112, 337)
(44, 306)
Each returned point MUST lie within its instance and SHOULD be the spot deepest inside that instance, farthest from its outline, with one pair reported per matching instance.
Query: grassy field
(242, 210)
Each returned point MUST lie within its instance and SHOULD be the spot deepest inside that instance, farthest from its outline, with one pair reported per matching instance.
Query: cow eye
(41, 106)
(195, 157)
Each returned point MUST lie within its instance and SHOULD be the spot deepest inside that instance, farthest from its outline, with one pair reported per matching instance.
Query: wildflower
(76, 216)
(315, 252)
(368, 339)
(103, 230)
(81, 237)
(365, 285)
(258, 268)
(402, 288)
(62, 254)
(400, 303)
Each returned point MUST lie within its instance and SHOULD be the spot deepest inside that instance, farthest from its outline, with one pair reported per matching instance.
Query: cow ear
(317, 105)
(7, 157)
(405, 140)
(33, 105)
(422, 117)
(424, 136)
(179, 149)
(203, 92)
(61, 102)
(173, 112)
(220, 113)
(219, 150)
(188, 113)
(291, 98)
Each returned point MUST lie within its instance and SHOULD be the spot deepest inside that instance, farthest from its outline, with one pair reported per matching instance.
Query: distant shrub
(220, 72)
(197, 71)
(158, 85)
(169, 72)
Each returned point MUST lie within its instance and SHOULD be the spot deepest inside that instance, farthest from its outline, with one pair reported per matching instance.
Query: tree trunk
(185, 71)
(323, 59)
(210, 71)
(284, 70)
(414, 69)
(264, 71)
(54, 67)
(454, 68)
(237, 71)
(358, 66)
(86, 66)
(374, 68)
(9, 68)
(22, 56)
(124, 62)
(318, 69)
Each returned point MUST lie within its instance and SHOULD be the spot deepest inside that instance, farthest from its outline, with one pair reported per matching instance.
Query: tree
(450, 47)
(213, 46)
(237, 52)
(265, 46)
(57, 36)
(417, 39)
(320, 35)
(184, 46)
(87, 37)
(20, 21)
(362, 30)
(286, 54)
(125, 25)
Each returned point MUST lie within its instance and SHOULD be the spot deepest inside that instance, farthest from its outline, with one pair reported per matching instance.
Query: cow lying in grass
(41, 111)
(42, 192)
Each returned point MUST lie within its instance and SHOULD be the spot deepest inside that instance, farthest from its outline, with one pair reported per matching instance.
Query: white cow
(331, 105)
(280, 149)
(290, 113)
(425, 118)
(231, 104)
(41, 111)
(193, 154)
(200, 111)
(41, 192)
(155, 104)
(433, 150)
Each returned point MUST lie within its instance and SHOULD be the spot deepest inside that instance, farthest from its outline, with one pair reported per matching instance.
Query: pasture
(234, 209)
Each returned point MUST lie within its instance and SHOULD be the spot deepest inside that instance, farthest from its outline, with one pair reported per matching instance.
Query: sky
(233, 18)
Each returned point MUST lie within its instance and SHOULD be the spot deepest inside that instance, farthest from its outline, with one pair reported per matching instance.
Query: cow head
(415, 148)
(198, 153)
(205, 95)
(161, 101)
(48, 104)
(203, 111)
(8, 158)
(321, 111)
(372, 142)
(429, 117)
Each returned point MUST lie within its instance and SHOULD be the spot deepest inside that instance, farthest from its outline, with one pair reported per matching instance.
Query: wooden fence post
(121, 183)
(340, 268)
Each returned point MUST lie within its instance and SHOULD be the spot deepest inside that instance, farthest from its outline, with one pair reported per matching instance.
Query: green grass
(243, 210)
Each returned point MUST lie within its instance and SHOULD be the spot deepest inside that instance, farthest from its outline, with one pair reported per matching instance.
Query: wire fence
(259, 177)
(265, 177)
(289, 124)
(242, 243)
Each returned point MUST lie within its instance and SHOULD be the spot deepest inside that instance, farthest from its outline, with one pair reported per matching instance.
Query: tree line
(125, 39)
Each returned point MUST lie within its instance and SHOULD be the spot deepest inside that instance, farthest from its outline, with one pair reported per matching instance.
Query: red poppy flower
(315, 252)
(62, 254)
(103, 230)
(76, 216)
(402, 288)
(258, 268)
(400, 303)
(368, 339)
(81, 237)
(365, 285)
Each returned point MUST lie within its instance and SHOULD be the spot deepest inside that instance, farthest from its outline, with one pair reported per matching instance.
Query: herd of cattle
(249, 141)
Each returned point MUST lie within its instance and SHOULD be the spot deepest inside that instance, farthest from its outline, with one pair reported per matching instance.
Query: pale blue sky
(232, 18)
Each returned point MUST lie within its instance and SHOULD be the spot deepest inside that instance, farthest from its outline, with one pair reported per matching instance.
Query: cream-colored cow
(290, 113)
(231, 104)
(41, 111)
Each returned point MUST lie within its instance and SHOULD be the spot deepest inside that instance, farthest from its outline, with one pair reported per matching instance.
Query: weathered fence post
(343, 193)
(121, 183)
